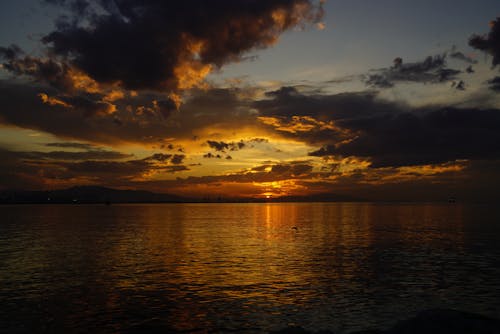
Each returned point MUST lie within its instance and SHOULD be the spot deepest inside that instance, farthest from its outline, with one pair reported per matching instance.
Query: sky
(356, 99)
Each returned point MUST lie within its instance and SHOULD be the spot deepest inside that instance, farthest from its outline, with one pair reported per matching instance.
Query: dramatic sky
(379, 100)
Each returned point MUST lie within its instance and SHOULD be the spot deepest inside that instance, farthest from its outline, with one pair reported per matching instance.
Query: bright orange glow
(280, 188)
(114, 95)
(320, 26)
(299, 124)
(191, 74)
(53, 101)
(280, 17)
(176, 98)
(81, 81)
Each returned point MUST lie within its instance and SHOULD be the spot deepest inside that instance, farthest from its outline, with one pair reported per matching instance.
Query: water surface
(243, 267)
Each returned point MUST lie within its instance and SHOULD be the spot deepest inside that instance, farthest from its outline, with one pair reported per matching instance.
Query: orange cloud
(114, 95)
(53, 101)
(299, 124)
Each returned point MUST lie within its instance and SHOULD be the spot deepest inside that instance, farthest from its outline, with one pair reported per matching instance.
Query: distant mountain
(97, 194)
(86, 194)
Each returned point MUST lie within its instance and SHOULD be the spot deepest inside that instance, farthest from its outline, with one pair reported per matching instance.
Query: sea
(245, 268)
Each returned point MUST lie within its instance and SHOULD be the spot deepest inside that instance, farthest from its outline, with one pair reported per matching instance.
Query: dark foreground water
(243, 267)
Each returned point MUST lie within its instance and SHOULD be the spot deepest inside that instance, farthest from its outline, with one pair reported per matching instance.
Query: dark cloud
(221, 146)
(210, 155)
(446, 74)
(465, 180)
(103, 168)
(460, 85)
(489, 43)
(17, 174)
(386, 133)
(166, 107)
(288, 102)
(35, 170)
(313, 118)
(162, 157)
(430, 70)
(259, 140)
(11, 52)
(476, 179)
(118, 170)
(41, 108)
(175, 168)
(49, 71)
(268, 172)
(283, 91)
(291, 169)
(23, 105)
(398, 62)
(177, 159)
(340, 123)
(82, 146)
(494, 84)
(168, 45)
(88, 105)
(218, 146)
(421, 137)
(379, 80)
(460, 56)
(95, 154)
(247, 182)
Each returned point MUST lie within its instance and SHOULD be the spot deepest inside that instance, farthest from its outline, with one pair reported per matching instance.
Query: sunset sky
(378, 100)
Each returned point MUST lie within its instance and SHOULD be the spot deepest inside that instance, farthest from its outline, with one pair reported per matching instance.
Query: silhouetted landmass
(440, 321)
(97, 194)
(86, 194)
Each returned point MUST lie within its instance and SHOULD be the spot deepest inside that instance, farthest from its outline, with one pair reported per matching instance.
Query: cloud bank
(154, 44)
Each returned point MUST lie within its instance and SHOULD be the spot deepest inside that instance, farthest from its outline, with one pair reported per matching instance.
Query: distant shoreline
(104, 195)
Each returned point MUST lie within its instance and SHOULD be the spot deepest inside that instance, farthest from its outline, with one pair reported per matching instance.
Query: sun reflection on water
(203, 267)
